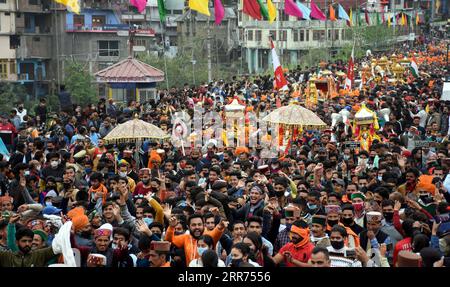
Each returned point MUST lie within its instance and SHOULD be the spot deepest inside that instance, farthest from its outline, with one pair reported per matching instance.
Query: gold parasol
(135, 130)
(294, 115)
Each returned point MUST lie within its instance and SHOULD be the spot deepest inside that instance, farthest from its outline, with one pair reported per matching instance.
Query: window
(78, 20)
(108, 48)
(302, 35)
(295, 35)
(12, 67)
(273, 33)
(316, 35)
(140, 42)
(307, 35)
(398, 2)
(2, 1)
(3, 69)
(283, 35)
(98, 20)
(33, 2)
(336, 34)
(177, 12)
(250, 35)
(329, 34)
(258, 35)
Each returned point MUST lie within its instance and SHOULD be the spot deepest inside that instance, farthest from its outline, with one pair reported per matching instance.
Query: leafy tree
(9, 94)
(79, 83)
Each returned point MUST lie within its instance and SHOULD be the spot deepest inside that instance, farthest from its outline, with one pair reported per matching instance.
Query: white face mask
(27, 172)
(54, 163)
(122, 174)
(38, 168)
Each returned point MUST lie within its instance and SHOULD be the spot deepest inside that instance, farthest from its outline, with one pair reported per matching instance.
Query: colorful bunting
(200, 6)
(272, 11)
(305, 11)
(219, 11)
(161, 10)
(72, 5)
(342, 14)
(290, 8)
(332, 13)
(139, 4)
(251, 8)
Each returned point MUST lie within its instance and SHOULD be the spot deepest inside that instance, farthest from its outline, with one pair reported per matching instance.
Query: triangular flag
(161, 10)
(290, 8)
(139, 4)
(219, 11)
(316, 13)
(201, 6)
(332, 13)
(279, 81)
(272, 11)
(367, 18)
(251, 8)
(72, 5)
(305, 11)
(263, 9)
(342, 14)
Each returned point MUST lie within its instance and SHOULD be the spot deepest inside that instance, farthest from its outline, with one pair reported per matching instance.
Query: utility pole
(56, 27)
(326, 30)
(163, 33)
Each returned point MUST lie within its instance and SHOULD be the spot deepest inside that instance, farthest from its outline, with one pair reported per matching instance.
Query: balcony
(108, 28)
(35, 6)
(35, 47)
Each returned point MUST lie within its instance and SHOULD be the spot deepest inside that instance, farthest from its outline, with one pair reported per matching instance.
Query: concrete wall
(5, 51)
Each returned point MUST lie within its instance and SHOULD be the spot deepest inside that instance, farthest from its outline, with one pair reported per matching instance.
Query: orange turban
(154, 156)
(425, 184)
(241, 149)
(79, 222)
(77, 211)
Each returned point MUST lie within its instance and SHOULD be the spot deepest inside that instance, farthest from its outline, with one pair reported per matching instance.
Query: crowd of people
(318, 204)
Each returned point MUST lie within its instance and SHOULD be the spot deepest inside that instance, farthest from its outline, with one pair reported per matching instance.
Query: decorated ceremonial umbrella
(135, 131)
(294, 118)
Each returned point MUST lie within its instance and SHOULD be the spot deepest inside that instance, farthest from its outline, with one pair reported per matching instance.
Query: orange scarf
(100, 188)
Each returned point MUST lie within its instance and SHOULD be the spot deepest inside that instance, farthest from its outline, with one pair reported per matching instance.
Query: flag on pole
(417, 19)
(342, 14)
(139, 4)
(350, 72)
(305, 10)
(389, 21)
(378, 19)
(251, 8)
(263, 9)
(332, 13)
(414, 69)
(161, 10)
(279, 81)
(272, 11)
(72, 5)
(367, 17)
(316, 13)
(291, 9)
(219, 11)
(201, 6)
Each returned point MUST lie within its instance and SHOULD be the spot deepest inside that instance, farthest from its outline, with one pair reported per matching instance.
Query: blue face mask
(288, 226)
(88, 170)
(201, 250)
(147, 220)
(311, 206)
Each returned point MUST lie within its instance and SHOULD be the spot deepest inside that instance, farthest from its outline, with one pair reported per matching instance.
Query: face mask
(200, 250)
(38, 168)
(337, 244)
(311, 206)
(145, 181)
(67, 185)
(347, 221)
(88, 170)
(54, 163)
(148, 221)
(122, 174)
(236, 262)
(27, 172)
(333, 222)
(380, 177)
(358, 206)
(178, 233)
(346, 157)
(288, 226)
(114, 246)
(362, 161)
(48, 203)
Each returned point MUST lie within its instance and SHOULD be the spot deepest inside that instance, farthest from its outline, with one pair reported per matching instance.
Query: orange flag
(332, 13)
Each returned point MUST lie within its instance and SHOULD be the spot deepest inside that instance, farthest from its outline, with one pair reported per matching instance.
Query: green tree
(9, 94)
(79, 83)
